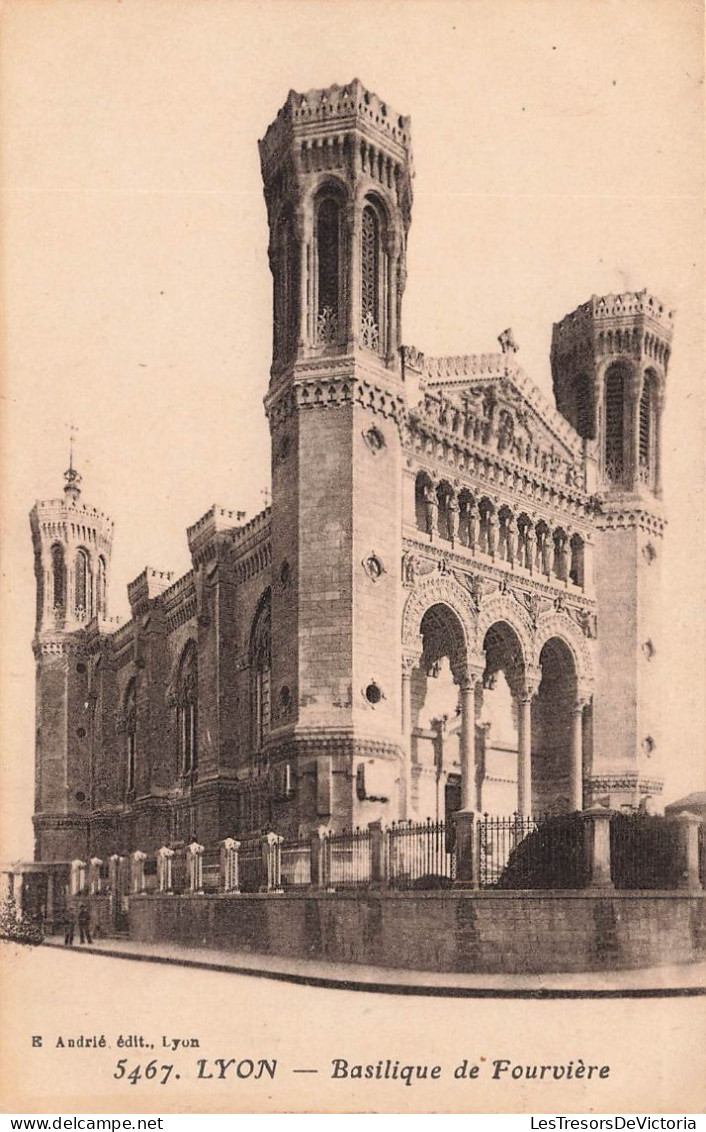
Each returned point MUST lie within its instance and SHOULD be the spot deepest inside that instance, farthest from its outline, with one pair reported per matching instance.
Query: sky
(558, 151)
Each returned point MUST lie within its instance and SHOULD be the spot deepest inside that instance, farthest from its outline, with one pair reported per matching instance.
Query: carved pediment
(498, 408)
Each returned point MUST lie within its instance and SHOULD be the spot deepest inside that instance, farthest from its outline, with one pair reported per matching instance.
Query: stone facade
(452, 602)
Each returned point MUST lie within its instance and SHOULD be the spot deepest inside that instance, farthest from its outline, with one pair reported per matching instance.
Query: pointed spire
(72, 487)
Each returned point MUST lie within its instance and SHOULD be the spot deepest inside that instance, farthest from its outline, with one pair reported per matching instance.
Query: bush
(644, 851)
(22, 930)
(552, 856)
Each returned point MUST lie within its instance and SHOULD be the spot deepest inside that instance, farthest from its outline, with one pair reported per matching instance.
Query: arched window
(187, 710)
(260, 673)
(646, 427)
(328, 249)
(614, 424)
(370, 304)
(576, 570)
(131, 738)
(82, 584)
(101, 588)
(58, 571)
(422, 488)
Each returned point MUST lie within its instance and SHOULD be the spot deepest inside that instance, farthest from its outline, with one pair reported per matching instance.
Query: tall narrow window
(286, 287)
(58, 571)
(328, 250)
(187, 711)
(131, 732)
(614, 464)
(260, 670)
(101, 588)
(370, 279)
(646, 400)
(82, 584)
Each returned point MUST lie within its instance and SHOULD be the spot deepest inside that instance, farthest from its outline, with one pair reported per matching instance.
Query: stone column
(319, 871)
(113, 872)
(466, 848)
(78, 877)
(194, 863)
(94, 875)
(229, 868)
(452, 518)
(408, 663)
(524, 754)
(577, 755)
(353, 225)
(137, 872)
(377, 855)
(467, 745)
(688, 832)
(271, 847)
(597, 847)
(530, 547)
(164, 869)
(657, 447)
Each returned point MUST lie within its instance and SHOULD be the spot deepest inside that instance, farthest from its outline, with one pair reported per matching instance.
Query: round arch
(437, 590)
(563, 627)
(504, 608)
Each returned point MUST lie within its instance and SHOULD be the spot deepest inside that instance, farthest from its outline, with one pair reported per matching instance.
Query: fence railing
(347, 858)
(296, 864)
(593, 849)
(419, 854)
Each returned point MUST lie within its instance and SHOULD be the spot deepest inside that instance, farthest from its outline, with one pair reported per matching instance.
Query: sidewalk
(687, 979)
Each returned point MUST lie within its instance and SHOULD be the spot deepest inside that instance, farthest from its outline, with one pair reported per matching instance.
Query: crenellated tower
(337, 171)
(609, 367)
(72, 544)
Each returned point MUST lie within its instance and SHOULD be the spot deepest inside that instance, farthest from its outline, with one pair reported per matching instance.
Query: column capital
(584, 695)
(467, 676)
(529, 682)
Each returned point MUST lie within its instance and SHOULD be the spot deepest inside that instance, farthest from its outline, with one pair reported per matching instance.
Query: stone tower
(609, 367)
(72, 545)
(336, 166)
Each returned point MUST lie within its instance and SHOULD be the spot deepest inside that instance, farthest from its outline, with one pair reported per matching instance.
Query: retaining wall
(439, 931)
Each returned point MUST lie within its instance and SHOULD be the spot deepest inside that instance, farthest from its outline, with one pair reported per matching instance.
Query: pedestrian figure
(84, 924)
(69, 927)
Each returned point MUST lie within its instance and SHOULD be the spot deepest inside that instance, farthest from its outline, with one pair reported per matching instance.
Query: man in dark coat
(84, 924)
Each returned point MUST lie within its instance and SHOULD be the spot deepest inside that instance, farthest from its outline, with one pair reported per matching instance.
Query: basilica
(452, 602)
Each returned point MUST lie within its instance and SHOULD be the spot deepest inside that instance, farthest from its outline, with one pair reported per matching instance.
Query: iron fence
(497, 838)
(253, 874)
(644, 851)
(211, 870)
(296, 864)
(347, 858)
(418, 854)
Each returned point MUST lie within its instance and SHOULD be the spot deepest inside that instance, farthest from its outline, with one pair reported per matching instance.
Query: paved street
(243, 1025)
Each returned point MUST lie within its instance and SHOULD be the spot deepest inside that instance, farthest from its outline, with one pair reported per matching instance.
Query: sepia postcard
(353, 674)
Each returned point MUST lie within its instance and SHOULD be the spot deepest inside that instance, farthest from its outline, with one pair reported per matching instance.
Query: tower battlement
(313, 113)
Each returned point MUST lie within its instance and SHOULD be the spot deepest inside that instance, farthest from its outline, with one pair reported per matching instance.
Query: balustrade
(483, 527)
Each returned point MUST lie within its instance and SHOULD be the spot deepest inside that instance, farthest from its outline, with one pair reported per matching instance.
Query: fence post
(137, 872)
(377, 858)
(688, 834)
(317, 848)
(94, 875)
(78, 877)
(230, 876)
(597, 847)
(164, 869)
(194, 866)
(272, 861)
(466, 849)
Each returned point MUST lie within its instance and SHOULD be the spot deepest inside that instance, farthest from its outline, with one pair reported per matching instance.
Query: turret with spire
(72, 544)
